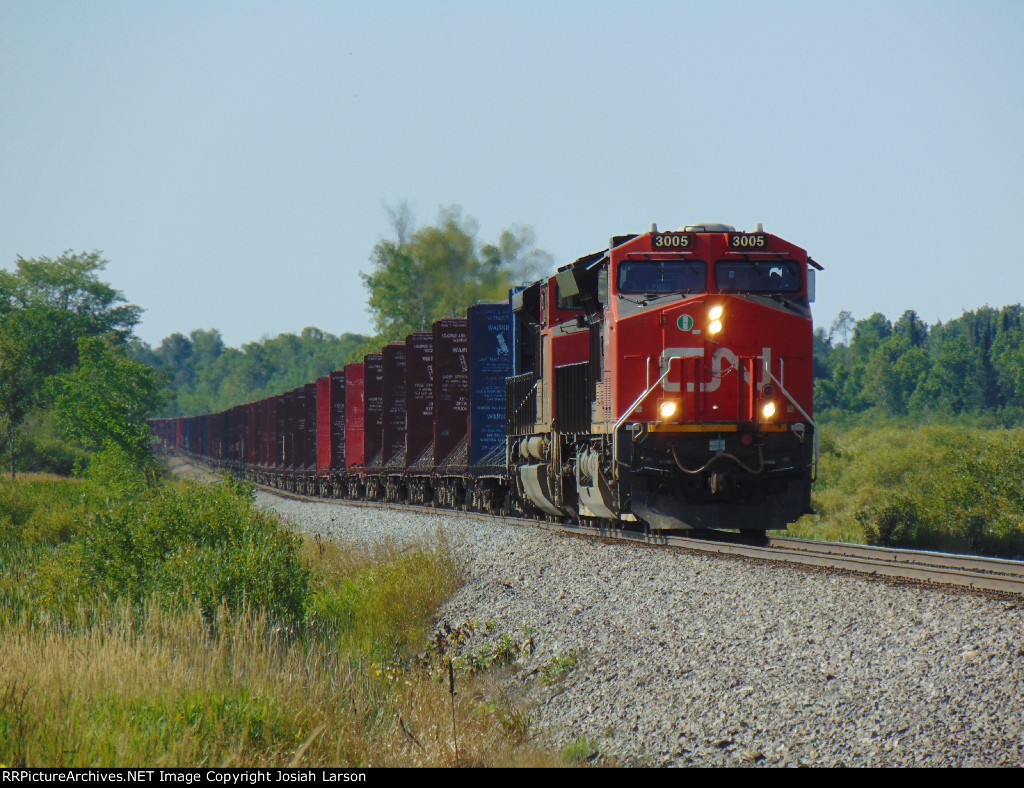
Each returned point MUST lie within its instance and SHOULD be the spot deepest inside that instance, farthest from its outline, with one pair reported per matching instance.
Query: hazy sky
(232, 159)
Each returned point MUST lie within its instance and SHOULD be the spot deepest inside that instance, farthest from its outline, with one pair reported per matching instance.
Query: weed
(168, 625)
(580, 750)
(560, 666)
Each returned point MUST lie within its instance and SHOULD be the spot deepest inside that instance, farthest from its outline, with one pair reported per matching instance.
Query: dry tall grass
(164, 689)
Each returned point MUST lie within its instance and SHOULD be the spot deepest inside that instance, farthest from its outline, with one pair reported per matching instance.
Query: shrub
(40, 510)
(936, 487)
(179, 543)
(894, 524)
(201, 543)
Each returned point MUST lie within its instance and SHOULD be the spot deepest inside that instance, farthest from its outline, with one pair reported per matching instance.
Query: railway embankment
(669, 657)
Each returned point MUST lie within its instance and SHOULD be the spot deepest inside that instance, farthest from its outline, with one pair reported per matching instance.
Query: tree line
(204, 376)
(972, 365)
(71, 365)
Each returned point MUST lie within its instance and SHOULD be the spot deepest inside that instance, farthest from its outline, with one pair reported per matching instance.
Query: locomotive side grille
(520, 403)
(572, 397)
(604, 398)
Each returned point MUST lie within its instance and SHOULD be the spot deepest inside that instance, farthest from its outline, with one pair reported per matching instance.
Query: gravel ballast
(683, 658)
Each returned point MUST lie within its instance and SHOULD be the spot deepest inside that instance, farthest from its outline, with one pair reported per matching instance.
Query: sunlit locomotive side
(668, 380)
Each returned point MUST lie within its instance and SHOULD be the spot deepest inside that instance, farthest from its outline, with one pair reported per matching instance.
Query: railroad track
(974, 572)
(966, 571)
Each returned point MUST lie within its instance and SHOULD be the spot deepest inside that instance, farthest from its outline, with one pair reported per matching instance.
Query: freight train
(663, 383)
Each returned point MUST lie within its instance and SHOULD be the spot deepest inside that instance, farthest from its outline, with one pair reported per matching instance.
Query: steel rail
(906, 556)
(977, 573)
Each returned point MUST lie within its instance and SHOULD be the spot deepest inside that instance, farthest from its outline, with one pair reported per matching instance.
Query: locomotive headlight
(715, 316)
(768, 410)
(667, 409)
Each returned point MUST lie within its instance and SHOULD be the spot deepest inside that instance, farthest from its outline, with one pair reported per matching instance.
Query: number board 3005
(748, 241)
(671, 241)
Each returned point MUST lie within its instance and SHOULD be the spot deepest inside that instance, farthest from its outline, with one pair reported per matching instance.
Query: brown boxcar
(419, 400)
(308, 425)
(393, 407)
(373, 408)
(451, 391)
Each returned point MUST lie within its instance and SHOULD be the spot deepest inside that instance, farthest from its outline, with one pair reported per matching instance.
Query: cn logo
(723, 361)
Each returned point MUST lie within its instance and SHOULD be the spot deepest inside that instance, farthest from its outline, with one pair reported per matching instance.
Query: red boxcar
(355, 430)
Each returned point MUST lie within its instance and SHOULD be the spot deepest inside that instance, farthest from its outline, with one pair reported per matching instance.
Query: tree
(839, 332)
(1008, 361)
(893, 372)
(69, 286)
(438, 271)
(822, 348)
(954, 383)
(911, 328)
(107, 399)
(869, 334)
(46, 306)
(23, 367)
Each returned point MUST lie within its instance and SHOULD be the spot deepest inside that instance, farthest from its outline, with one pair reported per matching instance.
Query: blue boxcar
(490, 362)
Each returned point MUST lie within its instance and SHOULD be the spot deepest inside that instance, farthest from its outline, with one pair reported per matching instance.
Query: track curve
(978, 573)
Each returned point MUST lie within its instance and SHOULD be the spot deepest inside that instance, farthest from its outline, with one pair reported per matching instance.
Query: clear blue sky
(232, 159)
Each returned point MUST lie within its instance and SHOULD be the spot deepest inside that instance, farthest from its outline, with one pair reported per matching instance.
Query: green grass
(559, 667)
(379, 604)
(581, 749)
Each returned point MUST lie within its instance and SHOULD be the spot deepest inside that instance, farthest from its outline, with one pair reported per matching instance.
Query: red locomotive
(665, 382)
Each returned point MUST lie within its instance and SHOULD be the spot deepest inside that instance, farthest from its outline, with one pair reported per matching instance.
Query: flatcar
(662, 383)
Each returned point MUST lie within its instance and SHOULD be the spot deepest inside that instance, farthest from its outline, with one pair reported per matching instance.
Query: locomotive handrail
(814, 473)
(633, 407)
(629, 411)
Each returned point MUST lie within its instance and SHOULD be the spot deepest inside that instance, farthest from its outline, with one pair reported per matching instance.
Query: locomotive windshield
(663, 276)
(758, 276)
